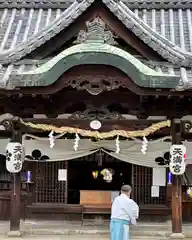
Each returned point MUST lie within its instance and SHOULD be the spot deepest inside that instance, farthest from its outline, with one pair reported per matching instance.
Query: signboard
(177, 159)
(154, 191)
(159, 177)
(62, 175)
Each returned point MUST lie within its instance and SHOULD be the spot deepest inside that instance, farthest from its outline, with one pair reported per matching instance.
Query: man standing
(124, 212)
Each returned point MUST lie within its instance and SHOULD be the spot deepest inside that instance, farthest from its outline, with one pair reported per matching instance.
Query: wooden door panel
(141, 183)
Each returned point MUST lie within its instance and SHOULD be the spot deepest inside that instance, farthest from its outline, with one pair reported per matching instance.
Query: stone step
(135, 233)
(81, 237)
(153, 233)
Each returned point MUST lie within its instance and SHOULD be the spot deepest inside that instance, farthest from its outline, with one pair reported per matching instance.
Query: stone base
(177, 236)
(14, 234)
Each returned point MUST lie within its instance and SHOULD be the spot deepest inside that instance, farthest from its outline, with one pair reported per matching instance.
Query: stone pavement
(74, 230)
(88, 237)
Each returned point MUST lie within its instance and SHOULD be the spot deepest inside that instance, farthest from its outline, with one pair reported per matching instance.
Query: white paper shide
(177, 160)
(14, 157)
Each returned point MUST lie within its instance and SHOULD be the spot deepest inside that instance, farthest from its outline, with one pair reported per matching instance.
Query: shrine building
(96, 91)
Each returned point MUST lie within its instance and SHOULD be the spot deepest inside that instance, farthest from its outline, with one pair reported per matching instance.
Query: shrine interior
(86, 174)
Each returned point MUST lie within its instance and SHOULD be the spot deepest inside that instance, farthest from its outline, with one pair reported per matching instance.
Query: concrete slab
(14, 234)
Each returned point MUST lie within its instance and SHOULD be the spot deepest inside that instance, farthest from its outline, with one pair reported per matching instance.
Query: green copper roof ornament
(96, 32)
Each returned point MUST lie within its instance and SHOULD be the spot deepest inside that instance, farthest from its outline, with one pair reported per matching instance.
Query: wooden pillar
(15, 196)
(176, 189)
(15, 202)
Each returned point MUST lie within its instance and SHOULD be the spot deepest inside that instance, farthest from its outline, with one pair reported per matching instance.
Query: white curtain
(62, 151)
(130, 151)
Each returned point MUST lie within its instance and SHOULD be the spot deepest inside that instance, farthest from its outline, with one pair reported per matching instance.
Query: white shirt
(125, 208)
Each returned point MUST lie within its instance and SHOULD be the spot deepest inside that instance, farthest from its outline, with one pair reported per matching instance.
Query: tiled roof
(165, 26)
(148, 4)
(8, 82)
(168, 32)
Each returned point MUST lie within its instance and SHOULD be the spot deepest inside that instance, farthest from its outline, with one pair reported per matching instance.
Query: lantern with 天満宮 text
(14, 157)
(177, 164)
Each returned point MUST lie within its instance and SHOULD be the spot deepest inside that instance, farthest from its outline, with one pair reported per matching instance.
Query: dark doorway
(80, 175)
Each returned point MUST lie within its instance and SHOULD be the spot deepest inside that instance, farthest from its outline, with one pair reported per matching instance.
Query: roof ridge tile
(160, 44)
(148, 4)
(48, 32)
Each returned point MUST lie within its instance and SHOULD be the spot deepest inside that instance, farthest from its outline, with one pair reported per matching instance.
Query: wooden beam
(49, 90)
(68, 101)
(113, 124)
(107, 125)
(72, 101)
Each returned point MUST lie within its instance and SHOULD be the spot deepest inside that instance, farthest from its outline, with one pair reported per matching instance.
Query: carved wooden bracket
(94, 84)
(96, 81)
(100, 113)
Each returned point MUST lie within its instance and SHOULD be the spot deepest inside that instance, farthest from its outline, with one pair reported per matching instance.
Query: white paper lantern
(177, 163)
(14, 157)
(177, 169)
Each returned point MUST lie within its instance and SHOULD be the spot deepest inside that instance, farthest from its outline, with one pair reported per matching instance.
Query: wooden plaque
(95, 197)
